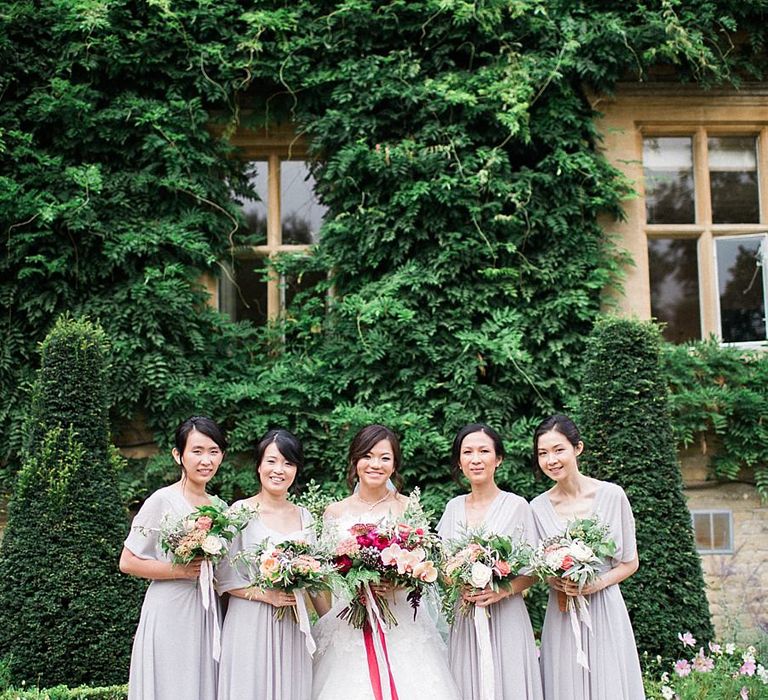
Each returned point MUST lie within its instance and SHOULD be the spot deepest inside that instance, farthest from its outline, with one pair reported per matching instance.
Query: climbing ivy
(452, 142)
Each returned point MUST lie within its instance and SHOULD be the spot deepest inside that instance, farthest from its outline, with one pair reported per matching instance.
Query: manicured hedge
(67, 614)
(62, 692)
(624, 416)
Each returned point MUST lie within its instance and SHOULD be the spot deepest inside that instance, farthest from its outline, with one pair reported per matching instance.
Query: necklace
(370, 505)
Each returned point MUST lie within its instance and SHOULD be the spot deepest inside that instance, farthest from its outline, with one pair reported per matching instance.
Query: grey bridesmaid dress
(614, 668)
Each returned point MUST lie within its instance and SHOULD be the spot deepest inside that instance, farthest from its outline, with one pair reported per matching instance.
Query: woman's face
(201, 458)
(478, 459)
(557, 456)
(276, 473)
(376, 465)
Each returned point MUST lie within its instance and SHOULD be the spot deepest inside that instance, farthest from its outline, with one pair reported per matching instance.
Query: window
(713, 530)
(707, 243)
(286, 218)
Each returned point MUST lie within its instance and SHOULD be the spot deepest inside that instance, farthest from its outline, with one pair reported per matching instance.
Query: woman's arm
(271, 596)
(157, 570)
(488, 596)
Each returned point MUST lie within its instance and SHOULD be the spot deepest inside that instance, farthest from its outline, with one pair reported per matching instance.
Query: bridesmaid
(172, 655)
(262, 657)
(614, 668)
(477, 452)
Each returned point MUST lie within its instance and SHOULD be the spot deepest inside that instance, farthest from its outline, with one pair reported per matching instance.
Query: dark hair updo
(288, 445)
(203, 425)
(363, 443)
(468, 429)
(560, 423)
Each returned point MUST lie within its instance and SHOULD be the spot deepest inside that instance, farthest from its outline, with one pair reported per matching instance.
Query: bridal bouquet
(477, 560)
(206, 532)
(402, 553)
(288, 566)
(576, 555)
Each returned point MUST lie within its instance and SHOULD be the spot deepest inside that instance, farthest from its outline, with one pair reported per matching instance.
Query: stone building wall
(737, 582)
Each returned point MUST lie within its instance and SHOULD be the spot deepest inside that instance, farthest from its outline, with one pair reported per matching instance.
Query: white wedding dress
(417, 655)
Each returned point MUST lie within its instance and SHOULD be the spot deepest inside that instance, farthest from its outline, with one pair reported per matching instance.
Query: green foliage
(456, 152)
(624, 418)
(61, 692)
(66, 612)
(720, 396)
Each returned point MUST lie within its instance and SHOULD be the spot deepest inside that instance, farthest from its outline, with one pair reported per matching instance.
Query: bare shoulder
(335, 509)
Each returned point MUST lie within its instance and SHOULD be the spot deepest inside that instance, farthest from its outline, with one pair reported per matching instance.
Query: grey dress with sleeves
(614, 668)
(261, 658)
(515, 658)
(172, 656)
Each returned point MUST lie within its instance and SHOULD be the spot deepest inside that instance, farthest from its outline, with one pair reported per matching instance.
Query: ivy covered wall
(455, 151)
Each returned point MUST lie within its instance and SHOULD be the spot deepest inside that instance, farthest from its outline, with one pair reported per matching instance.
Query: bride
(347, 663)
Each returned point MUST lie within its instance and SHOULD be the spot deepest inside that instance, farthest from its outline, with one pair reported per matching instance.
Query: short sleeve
(229, 574)
(446, 527)
(144, 537)
(626, 549)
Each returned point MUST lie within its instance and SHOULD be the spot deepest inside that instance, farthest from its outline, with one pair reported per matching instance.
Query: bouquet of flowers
(402, 553)
(206, 532)
(575, 555)
(289, 566)
(477, 560)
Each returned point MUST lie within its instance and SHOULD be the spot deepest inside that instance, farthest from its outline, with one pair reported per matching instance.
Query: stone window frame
(729, 549)
(636, 111)
(273, 145)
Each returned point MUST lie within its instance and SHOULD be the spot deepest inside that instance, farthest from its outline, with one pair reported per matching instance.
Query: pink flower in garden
(744, 694)
(687, 639)
(748, 668)
(702, 662)
(715, 648)
(682, 667)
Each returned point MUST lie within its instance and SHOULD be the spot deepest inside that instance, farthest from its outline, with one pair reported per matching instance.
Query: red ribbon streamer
(373, 663)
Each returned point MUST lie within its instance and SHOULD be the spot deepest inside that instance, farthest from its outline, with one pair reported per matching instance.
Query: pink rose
(567, 562)
(204, 523)
(502, 569)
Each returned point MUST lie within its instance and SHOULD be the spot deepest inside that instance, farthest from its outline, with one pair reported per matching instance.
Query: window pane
(701, 528)
(250, 291)
(674, 274)
(668, 170)
(301, 214)
(741, 288)
(733, 180)
(255, 210)
(721, 531)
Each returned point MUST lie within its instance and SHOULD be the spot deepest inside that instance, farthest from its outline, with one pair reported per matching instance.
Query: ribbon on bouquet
(581, 603)
(376, 651)
(210, 602)
(483, 632)
(301, 610)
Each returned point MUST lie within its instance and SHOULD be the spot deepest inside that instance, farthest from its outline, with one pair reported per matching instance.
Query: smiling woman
(612, 667)
(493, 656)
(260, 649)
(173, 647)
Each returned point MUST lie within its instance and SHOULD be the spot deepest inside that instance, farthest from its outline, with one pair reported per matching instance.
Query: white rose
(580, 551)
(212, 545)
(481, 575)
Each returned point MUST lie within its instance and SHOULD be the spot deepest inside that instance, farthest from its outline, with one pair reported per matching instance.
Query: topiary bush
(624, 416)
(66, 612)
